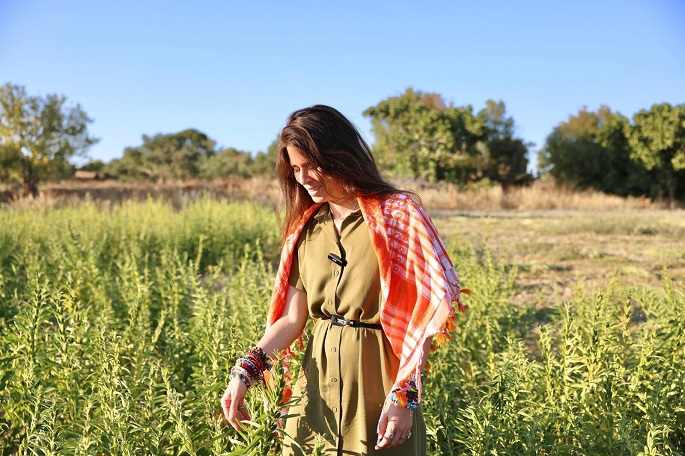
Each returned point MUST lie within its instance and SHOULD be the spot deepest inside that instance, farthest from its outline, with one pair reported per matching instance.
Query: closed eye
(304, 167)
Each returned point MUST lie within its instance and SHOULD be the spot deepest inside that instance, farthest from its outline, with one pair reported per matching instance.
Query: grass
(554, 250)
(264, 190)
(539, 196)
(120, 322)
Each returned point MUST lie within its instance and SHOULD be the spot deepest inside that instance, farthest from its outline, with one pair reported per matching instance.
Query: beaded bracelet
(251, 367)
(255, 362)
(242, 375)
(257, 354)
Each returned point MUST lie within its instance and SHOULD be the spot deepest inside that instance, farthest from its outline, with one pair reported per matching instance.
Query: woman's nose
(304, 176)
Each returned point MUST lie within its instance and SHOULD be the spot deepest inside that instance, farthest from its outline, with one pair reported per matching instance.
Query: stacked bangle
(242, 375)
(251, 367)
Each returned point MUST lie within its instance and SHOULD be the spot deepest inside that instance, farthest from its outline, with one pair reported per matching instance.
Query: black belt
(340, 321)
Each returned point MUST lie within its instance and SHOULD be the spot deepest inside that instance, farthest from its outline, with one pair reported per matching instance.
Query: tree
(622, 175)
(228, 162)
(507, 156)
(591, 150)
(657, 139)
(263, 164)
(96, 166)
(507, 162)
(571, 152)
(164, 156)
(38, 136)
(498, 125)
(419, 136)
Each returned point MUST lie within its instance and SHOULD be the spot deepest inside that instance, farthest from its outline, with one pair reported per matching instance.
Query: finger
(403, 438)
(382, 443)
(245, 415)
(235, 422)
(397, 442)
(380, 429)
(382, 425)
(235, 416)
(226, 403)
(406, 436)
(398, 438)
(386, 438)
(394, 439)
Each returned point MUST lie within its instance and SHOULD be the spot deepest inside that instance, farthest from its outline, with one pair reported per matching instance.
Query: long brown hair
(333, 145)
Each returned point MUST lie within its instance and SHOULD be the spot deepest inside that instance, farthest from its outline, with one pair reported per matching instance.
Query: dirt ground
(554, 249)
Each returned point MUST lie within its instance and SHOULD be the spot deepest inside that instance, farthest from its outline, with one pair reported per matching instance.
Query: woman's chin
(318, 197)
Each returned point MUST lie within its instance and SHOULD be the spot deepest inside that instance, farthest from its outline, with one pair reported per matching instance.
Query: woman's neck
(342, 208)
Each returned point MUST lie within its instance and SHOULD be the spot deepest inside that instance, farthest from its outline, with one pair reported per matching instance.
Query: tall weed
(119, 325)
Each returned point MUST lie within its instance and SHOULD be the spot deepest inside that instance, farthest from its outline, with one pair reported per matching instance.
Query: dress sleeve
(295, 278)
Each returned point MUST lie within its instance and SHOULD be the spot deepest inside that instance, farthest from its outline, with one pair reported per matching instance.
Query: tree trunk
(30, 180)
(30, 189)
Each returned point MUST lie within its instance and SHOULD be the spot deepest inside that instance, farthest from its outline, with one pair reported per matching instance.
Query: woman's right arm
(277, 338)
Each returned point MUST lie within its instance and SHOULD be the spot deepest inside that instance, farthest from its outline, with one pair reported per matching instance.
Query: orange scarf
(418, 280)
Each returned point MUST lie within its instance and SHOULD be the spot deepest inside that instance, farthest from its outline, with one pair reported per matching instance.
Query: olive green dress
(347, 372)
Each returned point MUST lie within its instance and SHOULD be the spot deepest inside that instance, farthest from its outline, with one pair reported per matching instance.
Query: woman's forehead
(296, 156)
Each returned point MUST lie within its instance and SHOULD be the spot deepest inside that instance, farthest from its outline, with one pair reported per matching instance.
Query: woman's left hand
(394, 426)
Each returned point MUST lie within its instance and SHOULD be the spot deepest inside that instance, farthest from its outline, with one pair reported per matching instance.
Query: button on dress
(347, 372)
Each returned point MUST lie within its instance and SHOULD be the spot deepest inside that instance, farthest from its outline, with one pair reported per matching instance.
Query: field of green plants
(119, 325)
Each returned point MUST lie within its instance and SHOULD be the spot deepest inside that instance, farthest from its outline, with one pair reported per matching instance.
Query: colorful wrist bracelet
(242, 375)
(251, 367)
(261, 358)
(413, 405)
(406, 394)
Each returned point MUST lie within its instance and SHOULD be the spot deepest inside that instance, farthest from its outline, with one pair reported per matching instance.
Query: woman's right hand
(277, 338)
(233, 403)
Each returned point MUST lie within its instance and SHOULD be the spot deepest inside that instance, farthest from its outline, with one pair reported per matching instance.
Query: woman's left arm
(395, 423)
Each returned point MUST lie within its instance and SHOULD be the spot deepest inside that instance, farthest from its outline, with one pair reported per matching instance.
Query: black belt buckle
(340, 321)
(337, 320)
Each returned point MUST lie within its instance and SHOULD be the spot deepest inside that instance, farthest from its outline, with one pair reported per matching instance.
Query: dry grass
(540, 195)
(68, 193)
(555, 251)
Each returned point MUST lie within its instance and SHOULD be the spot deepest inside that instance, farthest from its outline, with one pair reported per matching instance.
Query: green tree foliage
(263, 164)
(419, 136)
(94, 166)
(657, 140)
(499, 126)
(507, 156)
(186, 155)
(164, 156)
(591, 150)
(38, 136)
(232, 162)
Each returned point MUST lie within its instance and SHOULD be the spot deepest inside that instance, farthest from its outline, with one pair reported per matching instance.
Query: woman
(365, 262)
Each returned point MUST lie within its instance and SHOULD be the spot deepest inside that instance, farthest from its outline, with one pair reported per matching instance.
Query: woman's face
(321, 188)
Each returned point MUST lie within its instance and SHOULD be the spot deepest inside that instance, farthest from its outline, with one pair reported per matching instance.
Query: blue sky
(236, 69)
